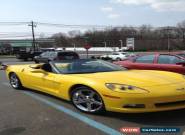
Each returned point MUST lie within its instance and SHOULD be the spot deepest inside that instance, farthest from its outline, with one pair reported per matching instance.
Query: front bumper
(150, 105)
(149, 102)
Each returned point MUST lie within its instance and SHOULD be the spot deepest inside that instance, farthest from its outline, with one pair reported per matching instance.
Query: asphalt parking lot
(27, 112)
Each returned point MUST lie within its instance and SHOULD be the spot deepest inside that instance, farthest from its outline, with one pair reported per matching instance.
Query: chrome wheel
(87, 100)
(14, 81)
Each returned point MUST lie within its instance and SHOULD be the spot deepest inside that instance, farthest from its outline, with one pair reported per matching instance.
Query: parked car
(181, 55)
(115, 56)
(55, 55)
(27, 55)
(164, 62)
(95, 86)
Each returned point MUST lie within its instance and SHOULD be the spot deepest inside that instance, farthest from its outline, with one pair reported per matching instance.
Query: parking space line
(76, 115)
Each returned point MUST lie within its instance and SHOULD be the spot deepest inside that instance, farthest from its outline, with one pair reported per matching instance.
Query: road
(27, 112)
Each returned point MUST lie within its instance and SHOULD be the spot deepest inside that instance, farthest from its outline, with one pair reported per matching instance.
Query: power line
(75, 25)
(13, 23)
(72, 26)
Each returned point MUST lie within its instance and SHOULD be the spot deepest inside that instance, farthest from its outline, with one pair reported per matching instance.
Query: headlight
(125, 88)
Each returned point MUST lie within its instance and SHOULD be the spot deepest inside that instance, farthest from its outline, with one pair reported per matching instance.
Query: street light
(121, 41)
(105, 43)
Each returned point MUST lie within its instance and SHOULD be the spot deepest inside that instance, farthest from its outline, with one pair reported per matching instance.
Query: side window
(52, 54)
(48, 55)
(45, 54)
(168, 59)
(145, 59)
(67, 56)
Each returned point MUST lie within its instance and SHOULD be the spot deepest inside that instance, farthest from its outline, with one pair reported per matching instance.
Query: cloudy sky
(91, 12)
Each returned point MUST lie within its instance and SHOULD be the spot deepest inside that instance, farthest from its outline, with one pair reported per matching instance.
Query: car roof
(61, 51)
(158, 53)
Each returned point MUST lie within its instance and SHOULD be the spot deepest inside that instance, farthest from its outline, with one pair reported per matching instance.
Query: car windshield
(86, 66)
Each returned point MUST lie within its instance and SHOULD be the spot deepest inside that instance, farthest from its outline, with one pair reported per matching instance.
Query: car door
(34, 77)
(114, 56)
(50, 83)
(145, 62)
(44, 57)
(169, 63)
(43, 79)
(123, 55)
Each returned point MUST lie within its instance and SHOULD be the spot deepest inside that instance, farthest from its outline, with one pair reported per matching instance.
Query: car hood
(139, 78)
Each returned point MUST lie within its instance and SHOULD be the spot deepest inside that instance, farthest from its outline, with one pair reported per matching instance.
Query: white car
(115, 56)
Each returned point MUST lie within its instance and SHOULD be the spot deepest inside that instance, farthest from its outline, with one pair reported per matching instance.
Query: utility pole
(33, 35)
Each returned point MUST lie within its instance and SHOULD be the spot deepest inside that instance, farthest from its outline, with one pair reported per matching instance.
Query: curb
(7, 57)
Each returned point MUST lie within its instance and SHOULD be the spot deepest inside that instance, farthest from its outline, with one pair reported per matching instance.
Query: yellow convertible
(94, 85)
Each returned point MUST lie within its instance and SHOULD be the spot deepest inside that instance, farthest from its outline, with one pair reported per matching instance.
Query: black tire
(36, 61)
(15, 81)
(95, 101)
(26, 59)
(118, 59)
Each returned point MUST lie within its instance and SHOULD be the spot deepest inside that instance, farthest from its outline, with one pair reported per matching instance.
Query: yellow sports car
(94, 85)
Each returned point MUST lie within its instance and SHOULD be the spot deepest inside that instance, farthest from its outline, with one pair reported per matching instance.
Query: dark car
(164, 62)
(56, 55)
(22, 55)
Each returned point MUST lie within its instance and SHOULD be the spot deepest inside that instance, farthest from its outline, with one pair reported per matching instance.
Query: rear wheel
(36, 61)
(15, 81)
(87, 100)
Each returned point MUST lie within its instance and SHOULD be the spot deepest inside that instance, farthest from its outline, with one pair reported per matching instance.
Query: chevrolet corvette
(95, 86)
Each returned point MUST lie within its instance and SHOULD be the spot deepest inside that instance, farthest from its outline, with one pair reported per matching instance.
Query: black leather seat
(47, 67)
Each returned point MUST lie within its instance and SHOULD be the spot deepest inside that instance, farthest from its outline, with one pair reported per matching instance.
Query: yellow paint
(161, 86)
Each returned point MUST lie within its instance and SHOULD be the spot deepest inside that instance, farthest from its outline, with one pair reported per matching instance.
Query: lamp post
(74, 46)
(121, 41)
(105, 43)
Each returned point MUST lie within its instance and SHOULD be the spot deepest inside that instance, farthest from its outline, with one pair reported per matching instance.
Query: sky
(88, 12)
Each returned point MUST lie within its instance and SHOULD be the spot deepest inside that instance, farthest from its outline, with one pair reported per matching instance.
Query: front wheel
(14, 81)
(87, 100)
(118, 59)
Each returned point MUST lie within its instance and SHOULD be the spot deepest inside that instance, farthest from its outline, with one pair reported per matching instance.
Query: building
(14, 46)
